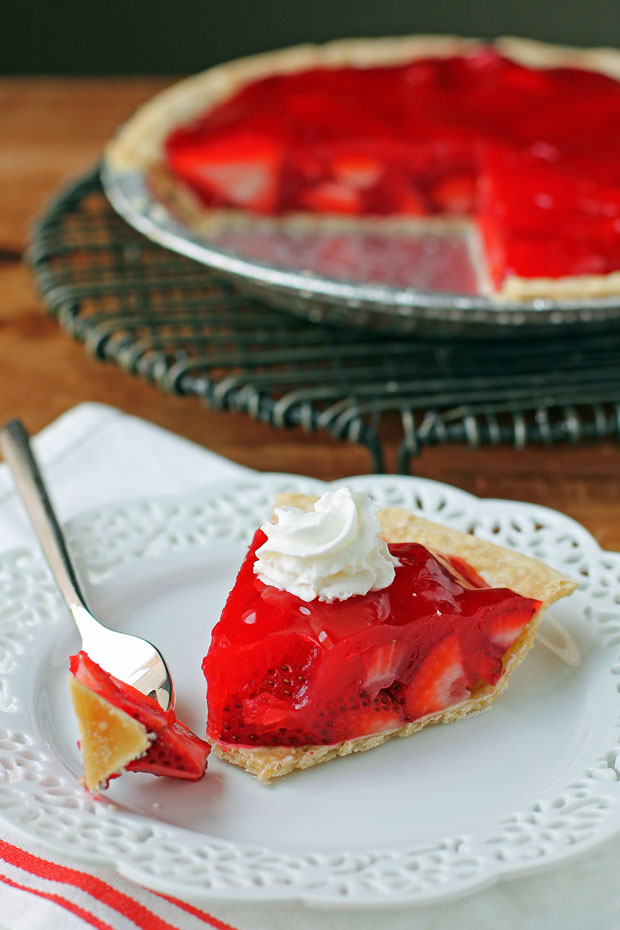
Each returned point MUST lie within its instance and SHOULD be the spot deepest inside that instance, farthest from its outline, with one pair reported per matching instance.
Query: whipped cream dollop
(331, 552)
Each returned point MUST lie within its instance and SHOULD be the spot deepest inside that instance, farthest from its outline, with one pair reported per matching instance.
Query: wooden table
(52, 130)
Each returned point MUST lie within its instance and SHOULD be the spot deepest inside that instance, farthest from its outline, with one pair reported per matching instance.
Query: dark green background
(150, 36)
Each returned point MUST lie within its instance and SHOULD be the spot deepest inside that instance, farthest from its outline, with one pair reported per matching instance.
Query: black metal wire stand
(171, 321)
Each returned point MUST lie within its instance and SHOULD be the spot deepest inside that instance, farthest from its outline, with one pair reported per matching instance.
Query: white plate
(455, 808)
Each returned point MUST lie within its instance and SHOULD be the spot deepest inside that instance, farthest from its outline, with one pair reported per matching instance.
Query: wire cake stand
(189, 330)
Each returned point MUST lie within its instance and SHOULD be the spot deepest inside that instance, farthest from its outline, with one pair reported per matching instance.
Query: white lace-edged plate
(450, 810)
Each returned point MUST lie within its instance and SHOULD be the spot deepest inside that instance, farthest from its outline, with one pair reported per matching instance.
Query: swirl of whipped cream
(331, 553)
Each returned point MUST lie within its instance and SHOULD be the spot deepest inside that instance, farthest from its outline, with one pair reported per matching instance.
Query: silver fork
(129, 658)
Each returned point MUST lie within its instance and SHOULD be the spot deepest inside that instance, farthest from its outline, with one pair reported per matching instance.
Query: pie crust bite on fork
(122, 730)
(293, 682)
(516, 143)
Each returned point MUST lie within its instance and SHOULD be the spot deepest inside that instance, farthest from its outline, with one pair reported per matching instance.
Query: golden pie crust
(110, 738)
(498, 566)
(138, 146)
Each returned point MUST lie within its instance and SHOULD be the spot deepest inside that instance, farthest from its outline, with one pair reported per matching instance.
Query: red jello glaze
(282, 671)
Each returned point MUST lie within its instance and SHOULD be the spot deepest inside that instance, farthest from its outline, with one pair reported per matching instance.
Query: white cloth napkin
(94, 455)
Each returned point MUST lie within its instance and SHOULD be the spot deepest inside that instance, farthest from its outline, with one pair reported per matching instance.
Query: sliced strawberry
(308, 165)
(463, 571)
(412, 203)
(382, 665)
(454, 193)
(266, 711)
(481, 659)
(439, 681)
(174, 751)
(241, 170)
(331, 197)
(506, 626)
(377, 715)
(357, 171)
(278, 722)
(402, 196)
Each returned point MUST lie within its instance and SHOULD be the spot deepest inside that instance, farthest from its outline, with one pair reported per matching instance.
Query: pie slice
(121, 729)
(295, 682)
(515, 143)
(557, 231)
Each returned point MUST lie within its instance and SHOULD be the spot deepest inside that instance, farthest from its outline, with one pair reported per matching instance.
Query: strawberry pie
(514, 143)
(345, 628)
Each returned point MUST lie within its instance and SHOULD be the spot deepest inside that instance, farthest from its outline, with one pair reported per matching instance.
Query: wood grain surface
(51, 130)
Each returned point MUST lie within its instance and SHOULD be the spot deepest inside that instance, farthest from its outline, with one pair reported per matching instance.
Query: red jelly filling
(283, 671)
(418, 139)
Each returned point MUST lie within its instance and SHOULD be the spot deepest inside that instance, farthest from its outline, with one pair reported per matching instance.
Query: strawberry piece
(503, 629)
(357, 171)
(463, 571)
(174, 751)
(454, 193)
(400, 195)
(278, 722)
(376, 715)
(411, 202)
(439, 682)
(331, 197)
(382, 665)
(240, 170)
(482, 660)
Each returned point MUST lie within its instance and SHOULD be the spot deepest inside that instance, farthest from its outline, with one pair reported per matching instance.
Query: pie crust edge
(499, 566)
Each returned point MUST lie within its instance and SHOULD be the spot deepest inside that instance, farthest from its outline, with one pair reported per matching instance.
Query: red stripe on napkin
(196, 912)
(63, 902)
(43, 868)
(142, 916)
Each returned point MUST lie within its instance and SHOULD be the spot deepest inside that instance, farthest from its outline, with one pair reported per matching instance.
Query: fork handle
(17, 451)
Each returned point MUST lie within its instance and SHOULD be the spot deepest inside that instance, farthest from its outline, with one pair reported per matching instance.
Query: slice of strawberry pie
(333, 640)
(122, 729)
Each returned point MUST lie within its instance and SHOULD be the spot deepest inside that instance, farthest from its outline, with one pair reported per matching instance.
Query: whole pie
(294, 680)
(515, 143)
